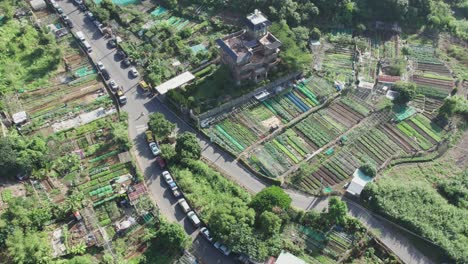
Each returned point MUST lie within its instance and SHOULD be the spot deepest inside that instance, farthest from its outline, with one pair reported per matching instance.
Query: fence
(231, 105)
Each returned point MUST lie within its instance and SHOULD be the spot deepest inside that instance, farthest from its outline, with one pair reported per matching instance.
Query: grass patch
(7, 195)
(29, 57)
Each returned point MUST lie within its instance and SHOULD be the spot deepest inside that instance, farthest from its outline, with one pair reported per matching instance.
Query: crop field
(372, 146)
(274, 157)
(338, 63)
(385, 49)
(422, 131)
(322, 247)
(71, 90)
(431, 75)
(367, 69)
(257, 120)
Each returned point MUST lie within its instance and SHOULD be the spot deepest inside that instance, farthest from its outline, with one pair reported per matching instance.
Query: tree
(8, 157)
(120, 136)
(160, 126)
(168, 153)
(454, 105)
(269, 198)
(187, 146)
(29, 247)
(406, 90)
(270, 223)
(368, 169)
(337, 210)
(172, 237)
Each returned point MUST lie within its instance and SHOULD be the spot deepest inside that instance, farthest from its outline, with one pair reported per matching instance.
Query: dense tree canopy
(160, 126)
(269, 198)
(406, 90)
(21, 155)
(454, 105)
(187, 146)
(28, 247)
(172, 237)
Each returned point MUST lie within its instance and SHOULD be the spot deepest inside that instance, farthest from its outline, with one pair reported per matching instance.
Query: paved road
(139, 103)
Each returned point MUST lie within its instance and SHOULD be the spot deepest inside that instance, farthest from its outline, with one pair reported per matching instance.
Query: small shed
(38, 4)
(359, 181)
(288, 258)
(20, 117)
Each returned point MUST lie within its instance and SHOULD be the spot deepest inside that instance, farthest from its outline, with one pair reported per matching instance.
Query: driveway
(139, 104)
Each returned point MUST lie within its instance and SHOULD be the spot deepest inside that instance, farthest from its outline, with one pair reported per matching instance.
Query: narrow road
(139, 103)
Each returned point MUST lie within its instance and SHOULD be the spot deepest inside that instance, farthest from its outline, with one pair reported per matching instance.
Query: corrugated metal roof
(175, 82)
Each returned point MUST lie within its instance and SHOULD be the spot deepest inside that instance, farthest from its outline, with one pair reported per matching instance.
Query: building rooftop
(257, 20)
(288, 258)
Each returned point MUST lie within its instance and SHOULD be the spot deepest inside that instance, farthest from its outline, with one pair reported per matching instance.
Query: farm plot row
(433, 86)
(338, 64)
(275, 157)
(421, 131)
(374, 147)
(245, 127)
(333, 244)
(423, 54)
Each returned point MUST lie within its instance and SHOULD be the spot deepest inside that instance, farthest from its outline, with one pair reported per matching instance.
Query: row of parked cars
(192, 216)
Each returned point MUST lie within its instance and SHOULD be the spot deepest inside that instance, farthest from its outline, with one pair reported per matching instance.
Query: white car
(113, 85)
(134, 72)
(223, 248)
(206, 233)
(194, 219)
(167, 177)
(100, 65)
(154, 148)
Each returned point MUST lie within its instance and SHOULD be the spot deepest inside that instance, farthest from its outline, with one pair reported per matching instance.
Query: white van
(87, 46)
(184, 205)
(80, 36)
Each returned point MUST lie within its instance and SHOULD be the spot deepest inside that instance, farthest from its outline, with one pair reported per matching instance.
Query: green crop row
(427, 130)
(286, 151)
(410, 132)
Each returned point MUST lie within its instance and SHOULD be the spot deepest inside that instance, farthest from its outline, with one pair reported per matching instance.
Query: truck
(121, 97)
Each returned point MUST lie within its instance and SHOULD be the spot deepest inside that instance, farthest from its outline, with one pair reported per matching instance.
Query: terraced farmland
(372, 146)
(338, 63)
(312, 133)
(431, 75)
(256, 120)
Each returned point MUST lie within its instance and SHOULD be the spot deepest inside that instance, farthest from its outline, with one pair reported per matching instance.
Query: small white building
(38, 4)
(19, 117)
(360, 180)
(288, 258)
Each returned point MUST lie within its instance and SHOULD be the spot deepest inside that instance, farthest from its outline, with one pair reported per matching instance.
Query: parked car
(100, 66)
(167, 177)
(112, 43)
(78, 2)
(105, 74)
(184, 205)
(59, 10)
(154, 148)
(69, 23)
(90, 15)
(133, 72)
(175, 191)
(120, 54)
(206, 233)
(161, 162)
(126, 62)
(194, 219)
(113, 85)
(80, 36)
(122, 98)
(149, 136)
(82, 7)
(223, 248)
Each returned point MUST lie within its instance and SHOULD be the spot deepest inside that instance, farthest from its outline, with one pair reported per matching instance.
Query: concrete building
(250, 53)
